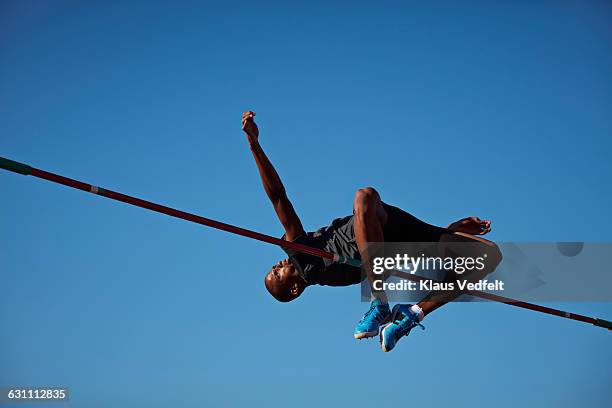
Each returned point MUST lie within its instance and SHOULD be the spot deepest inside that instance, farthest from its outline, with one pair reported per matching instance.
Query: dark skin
(283, 280)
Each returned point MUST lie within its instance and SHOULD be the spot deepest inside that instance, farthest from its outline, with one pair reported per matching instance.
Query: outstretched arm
(271, 181)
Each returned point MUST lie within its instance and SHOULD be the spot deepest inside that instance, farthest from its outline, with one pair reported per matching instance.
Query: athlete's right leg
(369, 220)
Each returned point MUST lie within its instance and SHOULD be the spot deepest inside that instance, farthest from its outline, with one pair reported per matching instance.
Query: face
(283, 281)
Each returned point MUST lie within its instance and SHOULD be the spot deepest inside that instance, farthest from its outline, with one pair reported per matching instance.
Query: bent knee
(366, 195)
(494, 256)
(366, 199)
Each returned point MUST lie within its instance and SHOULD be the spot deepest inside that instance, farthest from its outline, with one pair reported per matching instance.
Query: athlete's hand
(250, 127)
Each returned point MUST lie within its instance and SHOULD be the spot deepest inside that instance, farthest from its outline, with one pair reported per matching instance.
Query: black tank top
(337, 238)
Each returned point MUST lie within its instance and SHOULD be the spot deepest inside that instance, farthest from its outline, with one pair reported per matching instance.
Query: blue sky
(496, 110)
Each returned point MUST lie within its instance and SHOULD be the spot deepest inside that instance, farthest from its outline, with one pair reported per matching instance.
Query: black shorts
(404, 227)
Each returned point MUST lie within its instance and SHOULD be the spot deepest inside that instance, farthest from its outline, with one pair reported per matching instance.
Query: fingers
(248, 115)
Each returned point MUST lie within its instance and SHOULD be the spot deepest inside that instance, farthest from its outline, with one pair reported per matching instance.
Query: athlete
(372, 221)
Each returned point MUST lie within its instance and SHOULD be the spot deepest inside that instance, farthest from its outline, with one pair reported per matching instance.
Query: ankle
(416, 309)
(379, 297)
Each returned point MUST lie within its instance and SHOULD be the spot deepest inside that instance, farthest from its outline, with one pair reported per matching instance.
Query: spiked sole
(365, 335)
(382, 339)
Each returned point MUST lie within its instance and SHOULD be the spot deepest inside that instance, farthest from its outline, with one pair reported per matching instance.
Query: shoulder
(305, 238)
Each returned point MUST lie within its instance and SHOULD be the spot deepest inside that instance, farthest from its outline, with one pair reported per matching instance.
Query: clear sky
(495, 109)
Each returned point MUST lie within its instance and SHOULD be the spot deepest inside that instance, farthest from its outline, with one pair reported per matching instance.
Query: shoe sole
(382, 339)
(365, 335)
(390, 318)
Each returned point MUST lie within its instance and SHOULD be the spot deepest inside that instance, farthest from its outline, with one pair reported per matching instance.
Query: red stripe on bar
(181, 214)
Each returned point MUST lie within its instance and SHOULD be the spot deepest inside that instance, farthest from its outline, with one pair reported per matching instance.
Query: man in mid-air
(372, 221)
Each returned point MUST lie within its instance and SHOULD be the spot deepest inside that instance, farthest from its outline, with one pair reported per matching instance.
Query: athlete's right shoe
(403, 319)
(370, 322)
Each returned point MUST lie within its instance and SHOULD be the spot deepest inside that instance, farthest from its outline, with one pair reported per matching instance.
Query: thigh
(404, 227)
(370, 197)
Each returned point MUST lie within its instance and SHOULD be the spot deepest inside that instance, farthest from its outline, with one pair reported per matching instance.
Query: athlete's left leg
(405, 317)
(476, 247)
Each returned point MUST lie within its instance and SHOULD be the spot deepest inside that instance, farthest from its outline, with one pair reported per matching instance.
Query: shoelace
(404, 330)
(368, 313)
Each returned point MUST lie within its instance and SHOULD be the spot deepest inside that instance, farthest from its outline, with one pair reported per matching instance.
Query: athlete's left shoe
(403, 319)
(370, 323)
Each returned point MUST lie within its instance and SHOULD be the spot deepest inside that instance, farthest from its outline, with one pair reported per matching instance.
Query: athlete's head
(284, 282)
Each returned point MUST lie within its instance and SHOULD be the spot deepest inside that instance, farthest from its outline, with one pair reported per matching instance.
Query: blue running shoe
(402, 321)
(371, 321)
